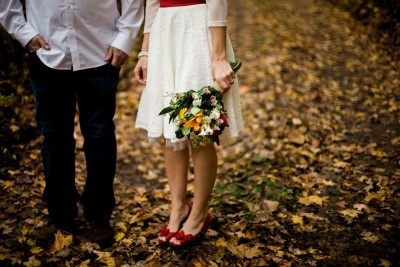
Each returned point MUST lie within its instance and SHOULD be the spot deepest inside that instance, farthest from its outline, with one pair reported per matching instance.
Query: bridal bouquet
(199, 115)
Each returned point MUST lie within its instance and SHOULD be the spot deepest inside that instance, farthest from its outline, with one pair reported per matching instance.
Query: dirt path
(314, 181)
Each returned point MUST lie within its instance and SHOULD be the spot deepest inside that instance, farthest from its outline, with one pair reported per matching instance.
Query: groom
(76, 48)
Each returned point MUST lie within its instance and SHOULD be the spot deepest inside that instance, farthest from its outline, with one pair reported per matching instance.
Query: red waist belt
(172, 3)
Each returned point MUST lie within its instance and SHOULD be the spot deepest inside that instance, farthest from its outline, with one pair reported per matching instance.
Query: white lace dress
(180, 60)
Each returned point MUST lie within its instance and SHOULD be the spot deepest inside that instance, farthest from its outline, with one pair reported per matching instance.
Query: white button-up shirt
(79, 32)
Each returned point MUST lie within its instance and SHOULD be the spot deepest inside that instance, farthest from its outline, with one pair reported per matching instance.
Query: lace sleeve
(217, 13)
(152, 7)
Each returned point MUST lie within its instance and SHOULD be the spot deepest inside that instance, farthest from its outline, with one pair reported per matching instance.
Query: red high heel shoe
(188, 239)
(164, 232)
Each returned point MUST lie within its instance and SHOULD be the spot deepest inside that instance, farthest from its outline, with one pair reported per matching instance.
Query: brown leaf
(271, 206)
(296, 138)
(370, 237)
(32, 262)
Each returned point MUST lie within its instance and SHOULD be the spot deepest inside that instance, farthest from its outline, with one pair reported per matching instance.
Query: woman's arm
(221, 69)
(140, 70)
(152, 7)
(141, 66)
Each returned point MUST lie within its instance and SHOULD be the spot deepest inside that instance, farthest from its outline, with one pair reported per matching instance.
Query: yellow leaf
(378, 196)
(313, 199)
(385, 263)
(350, 213)
(341, 164)
(24, 230)
(36, 250)
(7, 184)
(221, 243)
(395, 141)
(119, 236)
(62, 241)
(328, 183)
(84, 263)
(297, 219)
(213, 264)
(105, 257)
(379, 153)
(273, 248)
(243, 251)
(132, 100)
(141, 199)
(252, 234)
(122, 227)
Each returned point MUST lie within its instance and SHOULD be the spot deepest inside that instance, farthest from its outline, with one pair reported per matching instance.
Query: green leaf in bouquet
(185, 131)
(166, 110)
(179, 133)
(216, 139)
(188, 115)
(195, 110)
(236, 65)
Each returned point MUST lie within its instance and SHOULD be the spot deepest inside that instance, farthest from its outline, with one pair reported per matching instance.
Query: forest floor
(314, 180)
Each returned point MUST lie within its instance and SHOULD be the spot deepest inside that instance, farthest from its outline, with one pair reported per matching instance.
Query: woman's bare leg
(176, 164)
(205, 164)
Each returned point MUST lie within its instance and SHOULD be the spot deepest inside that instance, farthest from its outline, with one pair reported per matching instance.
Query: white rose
(197, 102)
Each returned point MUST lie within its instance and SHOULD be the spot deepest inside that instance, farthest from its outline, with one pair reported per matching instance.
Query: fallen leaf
(313, 199)
(221, 243)
(118, 236)
(297, 219)
(36, 250)
(122, 227)
(395, 141)
(84, 263)
(105, 257)
(244, 251)
(32, 262)
(379, 153)
(296, 138)
(62, 241)
(271, 206)
(377, 195)
(370, 237)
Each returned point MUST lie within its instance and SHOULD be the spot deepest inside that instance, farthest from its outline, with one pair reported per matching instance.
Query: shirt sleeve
(217, 13)
(13, 20)
(128, 24)
(152, 7)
